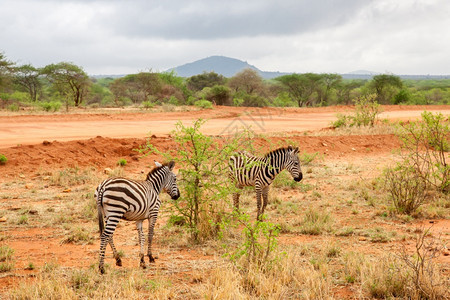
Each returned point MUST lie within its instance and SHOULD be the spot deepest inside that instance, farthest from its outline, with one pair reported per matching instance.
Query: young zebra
(132, 200)
(249, 170)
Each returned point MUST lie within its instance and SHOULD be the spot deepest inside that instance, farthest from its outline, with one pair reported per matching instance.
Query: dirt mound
(101, 152)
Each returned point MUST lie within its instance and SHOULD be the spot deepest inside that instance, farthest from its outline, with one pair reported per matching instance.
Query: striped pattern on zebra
(132, 200)
(260, 172)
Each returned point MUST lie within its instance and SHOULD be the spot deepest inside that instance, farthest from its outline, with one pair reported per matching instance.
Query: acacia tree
(69, 80)
(383, 85)
(137, 87)
(301, 87)
(199, 82)
(27, 77)
(328, 83)
(247, 81)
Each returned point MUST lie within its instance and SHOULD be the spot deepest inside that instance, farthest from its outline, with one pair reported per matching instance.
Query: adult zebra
(132, 200)
(249, 170)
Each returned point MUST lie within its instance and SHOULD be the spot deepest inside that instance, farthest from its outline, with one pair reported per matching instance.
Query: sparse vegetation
(3, 159)
(122, 162)
(6, 259)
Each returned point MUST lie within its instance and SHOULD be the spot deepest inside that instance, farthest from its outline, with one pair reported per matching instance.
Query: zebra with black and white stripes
(260, 172)
(133, 200)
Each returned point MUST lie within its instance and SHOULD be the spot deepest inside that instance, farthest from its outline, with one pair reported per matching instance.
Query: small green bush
(51, 106)
(203, 104)
(3, 159)
(122, 162)
(147, 105)
(13, 107)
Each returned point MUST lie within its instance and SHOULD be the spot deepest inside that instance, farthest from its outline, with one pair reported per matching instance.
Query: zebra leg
(258, 202)
(115, 253)
(265, 196)
(151, 226)
(106, 237)
(236, 198)
(141, 243)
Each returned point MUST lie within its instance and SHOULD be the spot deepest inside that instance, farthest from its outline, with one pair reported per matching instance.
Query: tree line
(66, 84)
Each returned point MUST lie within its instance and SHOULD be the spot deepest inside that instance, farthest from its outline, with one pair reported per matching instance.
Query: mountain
(222, 65)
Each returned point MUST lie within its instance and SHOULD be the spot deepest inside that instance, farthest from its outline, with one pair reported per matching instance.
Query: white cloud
(116, 37)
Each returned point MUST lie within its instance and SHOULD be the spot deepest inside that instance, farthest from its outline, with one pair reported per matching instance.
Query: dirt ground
(39, 145)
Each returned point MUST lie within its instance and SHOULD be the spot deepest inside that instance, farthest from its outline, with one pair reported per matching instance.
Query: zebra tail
(101, 222)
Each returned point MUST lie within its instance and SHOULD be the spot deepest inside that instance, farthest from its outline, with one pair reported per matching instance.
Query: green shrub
(406, 189)
(13, 107)
(203, 104)
(3, 159)
(147, 104)
(366, 110)
(424, 145)
(51, 106)
(122, 162)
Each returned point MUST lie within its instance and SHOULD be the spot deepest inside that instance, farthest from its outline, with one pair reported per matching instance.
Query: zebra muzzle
(300, 177)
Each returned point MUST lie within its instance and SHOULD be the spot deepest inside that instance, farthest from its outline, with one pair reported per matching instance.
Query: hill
(222, 65)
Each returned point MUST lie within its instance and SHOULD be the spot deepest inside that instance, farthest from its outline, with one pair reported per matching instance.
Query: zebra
(132, 200)
(248, 170)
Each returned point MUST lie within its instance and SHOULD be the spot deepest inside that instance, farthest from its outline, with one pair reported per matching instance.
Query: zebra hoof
(101, 269)
(151, 258)
(118, 262)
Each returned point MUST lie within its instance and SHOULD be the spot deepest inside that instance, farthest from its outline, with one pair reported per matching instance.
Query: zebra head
(170, 184)
(293, 163)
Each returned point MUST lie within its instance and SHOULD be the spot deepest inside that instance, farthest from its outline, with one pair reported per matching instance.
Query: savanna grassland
(337, 234)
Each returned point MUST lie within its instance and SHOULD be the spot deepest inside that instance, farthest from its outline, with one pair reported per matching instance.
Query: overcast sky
(332, 36)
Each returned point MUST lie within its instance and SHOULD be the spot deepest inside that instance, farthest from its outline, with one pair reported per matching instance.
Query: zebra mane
(169, 164)
(282, 149)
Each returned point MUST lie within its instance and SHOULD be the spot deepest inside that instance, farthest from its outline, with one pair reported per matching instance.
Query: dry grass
(335, 232)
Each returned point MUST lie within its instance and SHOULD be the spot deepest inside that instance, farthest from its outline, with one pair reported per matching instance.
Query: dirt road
(34, 129)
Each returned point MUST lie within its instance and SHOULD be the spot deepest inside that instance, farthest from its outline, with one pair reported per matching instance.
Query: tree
(69, 80)
(345, 88)
(27, 77)
(5, 70)
(301, 87)
(329, 82)
(383, 86)
(247, 81)
(137, 87)
(220, 95)
(199, 82)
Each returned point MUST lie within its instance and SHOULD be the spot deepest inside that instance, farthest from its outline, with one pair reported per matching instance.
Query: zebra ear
(171, 164)
(158, 164)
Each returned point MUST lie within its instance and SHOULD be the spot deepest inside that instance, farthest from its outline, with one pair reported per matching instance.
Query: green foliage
(3, 159)
(385, 87)
(426, 144)
(203, 176)
(51, 106)
(199, 82)
(284, 100)
(366, 111)
(203, 104)
(122, 162)
(13, 107)
(147, 104)
(259, 243)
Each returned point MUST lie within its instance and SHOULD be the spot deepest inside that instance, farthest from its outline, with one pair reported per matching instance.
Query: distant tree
(69, 80)
(247, 81)
(140, 87)
(328, 82)
(383, 86)
(199, 82)
(301, 87)
(28, 77)
(174, 86)
(6, 67)
(220, 95)
(345, 88)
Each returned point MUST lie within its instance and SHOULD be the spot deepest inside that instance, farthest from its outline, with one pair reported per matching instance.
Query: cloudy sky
(333, 36)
